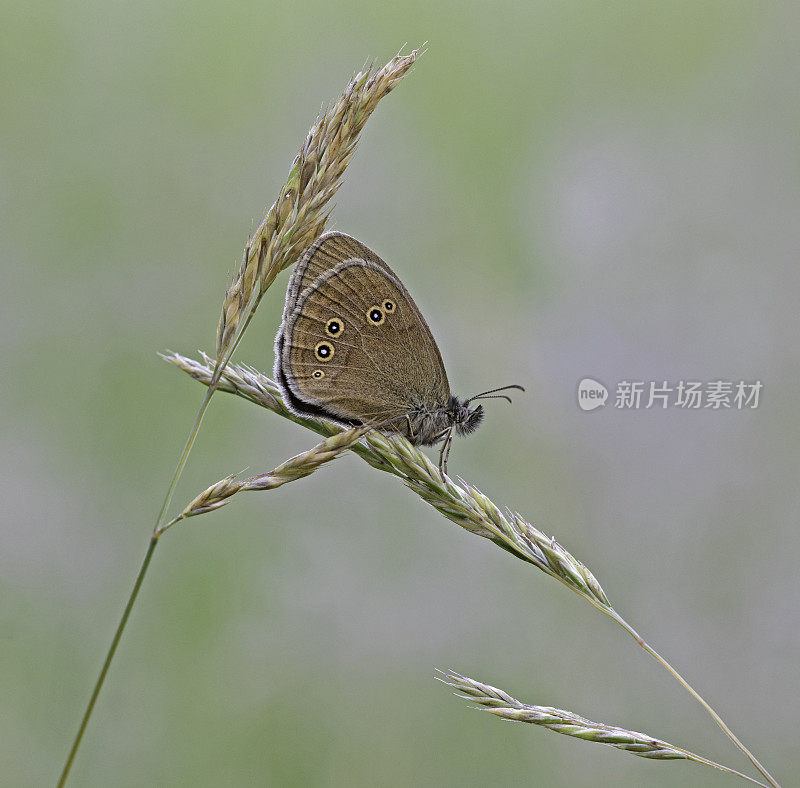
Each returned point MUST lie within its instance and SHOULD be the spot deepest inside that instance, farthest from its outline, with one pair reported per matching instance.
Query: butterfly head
(464, 420)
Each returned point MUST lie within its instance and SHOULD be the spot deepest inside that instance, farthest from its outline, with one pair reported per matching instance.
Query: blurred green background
(568, 189)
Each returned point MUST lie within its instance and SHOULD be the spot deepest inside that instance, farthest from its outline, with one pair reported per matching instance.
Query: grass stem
(107, 663)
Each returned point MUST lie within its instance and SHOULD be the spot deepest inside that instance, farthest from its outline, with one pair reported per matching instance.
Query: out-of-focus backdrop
(569, 190)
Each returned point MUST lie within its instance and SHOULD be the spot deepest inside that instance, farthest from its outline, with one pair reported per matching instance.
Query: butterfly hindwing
(353, 346)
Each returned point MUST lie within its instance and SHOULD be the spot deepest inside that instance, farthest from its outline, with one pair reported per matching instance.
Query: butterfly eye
(317, 373)
(375, 315)
(324, 351)
(333, 327)
(388, 306)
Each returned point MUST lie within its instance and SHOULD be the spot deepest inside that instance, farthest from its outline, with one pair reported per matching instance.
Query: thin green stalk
(611, 613)
(688, 687)
(157, 531)
(187, 449)
(104, 670)
(137, 585)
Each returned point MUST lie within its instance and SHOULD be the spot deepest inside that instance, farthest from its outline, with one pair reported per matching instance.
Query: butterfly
(353, 348)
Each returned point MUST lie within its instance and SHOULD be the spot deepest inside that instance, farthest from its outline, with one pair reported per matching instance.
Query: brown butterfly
(354, 349)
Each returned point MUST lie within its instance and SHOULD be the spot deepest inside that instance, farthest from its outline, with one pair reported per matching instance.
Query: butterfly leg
(449, 446)
(410, 428)
(444, 453)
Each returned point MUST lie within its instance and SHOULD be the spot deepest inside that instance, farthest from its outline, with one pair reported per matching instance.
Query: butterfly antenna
(491, 396)
(485, 394)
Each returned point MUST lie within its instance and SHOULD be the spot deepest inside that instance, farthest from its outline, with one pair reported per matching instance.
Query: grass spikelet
(460, 502)
(297, 467)
(502, 705)
(300, 214)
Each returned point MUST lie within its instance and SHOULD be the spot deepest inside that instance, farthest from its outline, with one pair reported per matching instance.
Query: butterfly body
(354, 348)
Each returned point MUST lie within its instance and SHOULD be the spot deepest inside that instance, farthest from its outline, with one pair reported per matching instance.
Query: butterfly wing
(353, 346)
(328, 251)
